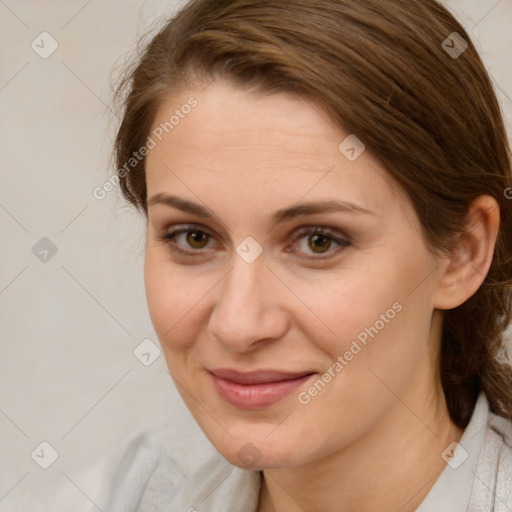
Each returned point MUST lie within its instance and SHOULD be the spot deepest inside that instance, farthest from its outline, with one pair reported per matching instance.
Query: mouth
(256, 389)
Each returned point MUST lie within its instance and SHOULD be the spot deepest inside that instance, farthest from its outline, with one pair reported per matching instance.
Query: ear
(461, 273)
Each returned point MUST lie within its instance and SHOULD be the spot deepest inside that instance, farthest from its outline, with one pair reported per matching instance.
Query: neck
(392, 467)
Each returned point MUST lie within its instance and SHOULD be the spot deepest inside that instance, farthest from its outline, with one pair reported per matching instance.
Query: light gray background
(69, 326)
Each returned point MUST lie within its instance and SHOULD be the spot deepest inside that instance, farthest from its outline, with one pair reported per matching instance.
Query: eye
(317, 240)
(191, 236)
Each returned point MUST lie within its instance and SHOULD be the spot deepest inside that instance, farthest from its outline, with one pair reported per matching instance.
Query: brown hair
(380, 69)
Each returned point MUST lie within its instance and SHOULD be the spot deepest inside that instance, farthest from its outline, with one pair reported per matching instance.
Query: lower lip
(256, 396)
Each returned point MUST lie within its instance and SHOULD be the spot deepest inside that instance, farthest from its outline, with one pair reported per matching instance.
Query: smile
(256, 390)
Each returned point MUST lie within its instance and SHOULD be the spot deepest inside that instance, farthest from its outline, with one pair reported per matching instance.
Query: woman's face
(310, 261)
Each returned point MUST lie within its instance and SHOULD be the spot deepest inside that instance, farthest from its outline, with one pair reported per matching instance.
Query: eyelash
(168, 238)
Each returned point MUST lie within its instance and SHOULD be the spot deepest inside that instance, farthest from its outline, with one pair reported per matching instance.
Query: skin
(372, 438)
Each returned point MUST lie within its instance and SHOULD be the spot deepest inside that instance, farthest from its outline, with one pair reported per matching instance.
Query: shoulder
(499, 446)
(493, 479)
(219, 485)
(145, 475)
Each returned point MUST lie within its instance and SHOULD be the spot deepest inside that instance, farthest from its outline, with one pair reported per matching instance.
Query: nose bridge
(244, 312)
(242, 292)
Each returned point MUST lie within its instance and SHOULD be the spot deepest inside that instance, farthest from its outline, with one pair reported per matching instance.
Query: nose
(247, 312)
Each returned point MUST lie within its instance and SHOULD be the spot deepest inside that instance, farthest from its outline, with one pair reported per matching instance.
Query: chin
(259, 455)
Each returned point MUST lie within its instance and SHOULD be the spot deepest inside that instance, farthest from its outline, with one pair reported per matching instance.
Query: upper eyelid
(304, 229)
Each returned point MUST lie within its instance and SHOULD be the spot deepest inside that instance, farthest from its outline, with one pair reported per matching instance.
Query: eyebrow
(285, 214)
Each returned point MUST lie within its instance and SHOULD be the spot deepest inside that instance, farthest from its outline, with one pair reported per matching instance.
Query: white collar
(452, 490)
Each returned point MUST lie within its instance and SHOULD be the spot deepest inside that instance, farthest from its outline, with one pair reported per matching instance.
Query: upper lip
(257, 376)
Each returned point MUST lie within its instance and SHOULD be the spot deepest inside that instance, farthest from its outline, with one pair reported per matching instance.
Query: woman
(328, 256)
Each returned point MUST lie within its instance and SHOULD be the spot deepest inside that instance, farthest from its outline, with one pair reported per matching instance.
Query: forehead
(268, 149)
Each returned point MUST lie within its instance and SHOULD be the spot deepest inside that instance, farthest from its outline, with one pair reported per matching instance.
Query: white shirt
(477, 478)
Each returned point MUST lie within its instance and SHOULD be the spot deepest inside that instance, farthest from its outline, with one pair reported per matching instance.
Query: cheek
(369, 314)
(348, 306)
(172, 297)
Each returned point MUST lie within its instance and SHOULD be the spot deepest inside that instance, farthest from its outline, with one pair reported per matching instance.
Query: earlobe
(463, 271)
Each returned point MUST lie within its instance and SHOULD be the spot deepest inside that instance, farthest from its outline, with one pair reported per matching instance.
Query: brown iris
(315, 243)
(197, 237)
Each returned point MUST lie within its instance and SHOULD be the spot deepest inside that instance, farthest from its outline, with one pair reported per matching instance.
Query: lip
(256, 389)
